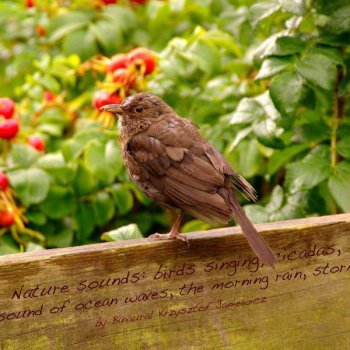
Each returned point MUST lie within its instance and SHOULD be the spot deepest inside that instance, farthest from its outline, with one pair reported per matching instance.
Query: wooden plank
(145, 294)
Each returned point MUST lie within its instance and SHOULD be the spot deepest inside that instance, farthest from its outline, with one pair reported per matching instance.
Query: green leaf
(310, 171)
(263, 9)
(53, 115)
(50, 83)
(110, 37)
(33, 247)
(81, 42)
(223, 40)
(272, 66)
(195, 226)
(281, 157)
(138, 194)
(246, 158)
(343, 147)
(7, 245)
(257, 213)
(74, 147)
(177, 5)
(84, 221)
(23, 156)
(68, 23)
(123, 198)
(113, 157)
(293, 208)
(269, 109)
(286, 91)
(344, 88)
(247, 111)
(121, 16)
(59, 203)
(122, 233)
(319, 70)
(339, 185)
(280, 207)
(36, 93)
(343, 130)
(104, 209)
(157, 11)
(62, 238)
(328, 7)
(241, 135)
(268, 132)
(31, 185)
(262, 113)
(340, 20)
(298, 7)
(51, 129)
(205, 55)
(84, 181)
(54, 164)
(99, 160)
(36, 217)
(267, 129)
(276, 200)
(313, 132)
(333, 53)
(91, 132)
(279, 44)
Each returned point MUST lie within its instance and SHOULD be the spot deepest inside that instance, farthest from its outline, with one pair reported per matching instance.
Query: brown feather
(256, 242)
(175, 167)
(175, 153)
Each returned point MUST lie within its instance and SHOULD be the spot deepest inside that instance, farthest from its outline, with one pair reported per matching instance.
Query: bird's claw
(168, 236)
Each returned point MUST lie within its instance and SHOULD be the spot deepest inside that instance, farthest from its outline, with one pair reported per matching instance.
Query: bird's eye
(139, 109)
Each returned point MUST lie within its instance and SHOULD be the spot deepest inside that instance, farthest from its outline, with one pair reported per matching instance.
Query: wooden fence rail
(145, 294)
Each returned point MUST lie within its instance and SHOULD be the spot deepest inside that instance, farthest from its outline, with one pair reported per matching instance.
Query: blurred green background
(266, 81)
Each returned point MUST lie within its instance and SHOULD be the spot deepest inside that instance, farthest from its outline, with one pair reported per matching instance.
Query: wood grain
(217, 296)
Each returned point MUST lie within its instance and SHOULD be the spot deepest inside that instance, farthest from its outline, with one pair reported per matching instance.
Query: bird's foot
(171, 235)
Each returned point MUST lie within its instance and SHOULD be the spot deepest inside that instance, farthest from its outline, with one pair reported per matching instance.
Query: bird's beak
(114, 108)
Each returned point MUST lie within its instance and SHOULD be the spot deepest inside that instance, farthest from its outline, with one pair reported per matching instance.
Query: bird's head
(142, 106)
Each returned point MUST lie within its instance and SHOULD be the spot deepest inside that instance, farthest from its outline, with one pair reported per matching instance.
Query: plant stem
(337, 117)
(16, 236)
(334, 156)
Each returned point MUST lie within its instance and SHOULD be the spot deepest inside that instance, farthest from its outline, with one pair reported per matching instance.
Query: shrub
(266, 81)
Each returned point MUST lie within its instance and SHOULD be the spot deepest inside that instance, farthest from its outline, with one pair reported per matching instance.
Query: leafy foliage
(267, 82)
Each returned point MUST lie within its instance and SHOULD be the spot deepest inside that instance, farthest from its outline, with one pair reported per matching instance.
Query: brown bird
(177, 168)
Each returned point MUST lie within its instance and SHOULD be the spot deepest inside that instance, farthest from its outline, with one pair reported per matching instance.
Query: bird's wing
(172, 154)
(184, 134)
(173, 147)
(239, 182)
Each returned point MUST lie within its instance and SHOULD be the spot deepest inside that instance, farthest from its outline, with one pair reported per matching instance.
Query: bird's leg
(174, 232)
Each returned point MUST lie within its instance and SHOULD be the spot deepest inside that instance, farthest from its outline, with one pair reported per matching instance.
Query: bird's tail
(256, 242)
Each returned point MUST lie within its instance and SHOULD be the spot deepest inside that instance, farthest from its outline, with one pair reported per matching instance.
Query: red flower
(7, 107)
(41, 30)
(103, 97)
(9, 129)
(144, 55)
(4, 181)
(37, 143)
(121, 76)
(6, 218)
(48, 96)
(30, 3)
(108, 2)
(118, 61)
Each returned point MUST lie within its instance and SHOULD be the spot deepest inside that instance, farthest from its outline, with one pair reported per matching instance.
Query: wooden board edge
(265, 229)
